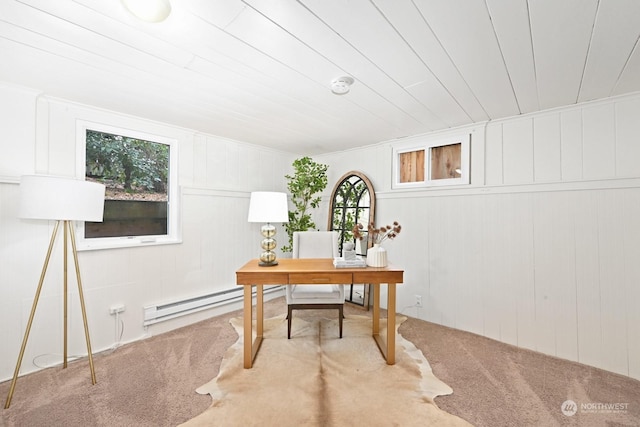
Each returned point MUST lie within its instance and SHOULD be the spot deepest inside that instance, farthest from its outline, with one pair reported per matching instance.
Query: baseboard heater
(161, 312)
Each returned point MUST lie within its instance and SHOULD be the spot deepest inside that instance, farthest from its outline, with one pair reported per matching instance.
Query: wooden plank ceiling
(259, 71)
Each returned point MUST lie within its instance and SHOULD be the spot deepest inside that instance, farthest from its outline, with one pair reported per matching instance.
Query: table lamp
(63, 200)
(268, 207)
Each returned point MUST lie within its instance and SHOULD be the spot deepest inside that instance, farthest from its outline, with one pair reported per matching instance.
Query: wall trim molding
(602, 184)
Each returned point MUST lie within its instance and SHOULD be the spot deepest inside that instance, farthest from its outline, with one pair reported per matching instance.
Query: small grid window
(431, 163)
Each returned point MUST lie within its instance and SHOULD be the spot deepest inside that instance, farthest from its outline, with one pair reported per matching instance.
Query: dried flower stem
(377, 235)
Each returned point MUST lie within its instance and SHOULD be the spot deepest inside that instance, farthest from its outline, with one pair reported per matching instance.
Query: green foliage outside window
(127, 163)
(135, 173)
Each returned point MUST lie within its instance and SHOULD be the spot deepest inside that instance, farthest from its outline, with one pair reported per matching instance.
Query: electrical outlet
(418, 300)
(118, 308)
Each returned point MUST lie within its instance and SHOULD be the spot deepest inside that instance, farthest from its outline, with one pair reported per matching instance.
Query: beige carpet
(152, 382)
(317, 379)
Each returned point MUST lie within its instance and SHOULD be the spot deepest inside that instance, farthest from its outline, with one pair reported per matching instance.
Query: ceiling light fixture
(148, 10)
(341, 85)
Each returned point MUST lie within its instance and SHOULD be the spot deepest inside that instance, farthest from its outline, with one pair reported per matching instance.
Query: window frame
(427, 145)
(173, 235)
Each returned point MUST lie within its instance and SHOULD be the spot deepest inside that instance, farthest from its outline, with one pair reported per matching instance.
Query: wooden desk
(316, 271)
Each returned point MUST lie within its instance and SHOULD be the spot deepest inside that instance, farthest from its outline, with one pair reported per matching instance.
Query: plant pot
(377, 256)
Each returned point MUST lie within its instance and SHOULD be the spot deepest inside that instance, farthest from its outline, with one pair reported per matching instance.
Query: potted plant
(309, 178)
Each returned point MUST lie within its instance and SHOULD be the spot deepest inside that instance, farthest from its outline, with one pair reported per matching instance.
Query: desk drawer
(320, 278)
(266, 278)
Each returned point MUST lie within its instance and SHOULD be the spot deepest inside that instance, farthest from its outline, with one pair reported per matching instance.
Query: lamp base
(267, 264)
(68, 230)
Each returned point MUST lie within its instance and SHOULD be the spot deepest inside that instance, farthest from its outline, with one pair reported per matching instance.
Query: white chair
(314, 244)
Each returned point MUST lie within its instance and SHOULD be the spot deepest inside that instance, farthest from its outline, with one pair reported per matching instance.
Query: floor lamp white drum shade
(268, 207)
(56, 198)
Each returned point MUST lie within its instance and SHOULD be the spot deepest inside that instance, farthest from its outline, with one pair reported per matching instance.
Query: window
(431, 163)
(412, 166)
(140, 175)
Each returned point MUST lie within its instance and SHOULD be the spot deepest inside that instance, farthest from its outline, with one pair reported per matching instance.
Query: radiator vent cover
(170, 310)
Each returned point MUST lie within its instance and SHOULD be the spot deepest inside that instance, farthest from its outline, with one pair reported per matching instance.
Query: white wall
(37, 135)
(541, 250)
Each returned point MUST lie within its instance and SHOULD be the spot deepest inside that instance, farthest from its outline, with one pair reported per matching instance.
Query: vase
(364, 247)
(377, 256)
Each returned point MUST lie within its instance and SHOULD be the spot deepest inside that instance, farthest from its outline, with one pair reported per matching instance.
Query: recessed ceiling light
(149, 10)
(341, 85)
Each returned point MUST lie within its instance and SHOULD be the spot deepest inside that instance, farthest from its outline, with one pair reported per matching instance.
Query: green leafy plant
(129, 162)
(309, 178)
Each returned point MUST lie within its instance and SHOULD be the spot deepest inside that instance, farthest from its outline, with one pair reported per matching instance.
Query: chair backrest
(315, 244)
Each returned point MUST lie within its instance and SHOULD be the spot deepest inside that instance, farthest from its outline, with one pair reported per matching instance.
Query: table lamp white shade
(57, 198)
(268, 206)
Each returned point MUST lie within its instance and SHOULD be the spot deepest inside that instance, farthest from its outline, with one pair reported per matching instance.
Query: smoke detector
(341, 85)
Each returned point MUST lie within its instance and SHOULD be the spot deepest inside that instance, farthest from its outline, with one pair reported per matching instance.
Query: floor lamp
(63, 200)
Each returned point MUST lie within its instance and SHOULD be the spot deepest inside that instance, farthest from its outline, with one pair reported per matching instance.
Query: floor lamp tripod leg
(82, 306)
(30, 322)
(64, 295)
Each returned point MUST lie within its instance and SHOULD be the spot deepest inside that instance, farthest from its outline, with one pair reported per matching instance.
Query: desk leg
(387, 349)
(248, 327)
(259, 311)
(391, 324)
(376, 308)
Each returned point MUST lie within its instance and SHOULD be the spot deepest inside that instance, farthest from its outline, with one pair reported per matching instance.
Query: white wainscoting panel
(17, 122)
(627, 137)
(598, 137)
(546, 153)
(472, 254)
(613, 223)
(571, 145)
(631, 242)
(590, 350)
(555, 274)
(494, 174)
(517, 148)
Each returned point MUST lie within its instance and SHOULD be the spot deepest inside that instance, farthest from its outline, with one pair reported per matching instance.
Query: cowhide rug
(318, 379)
